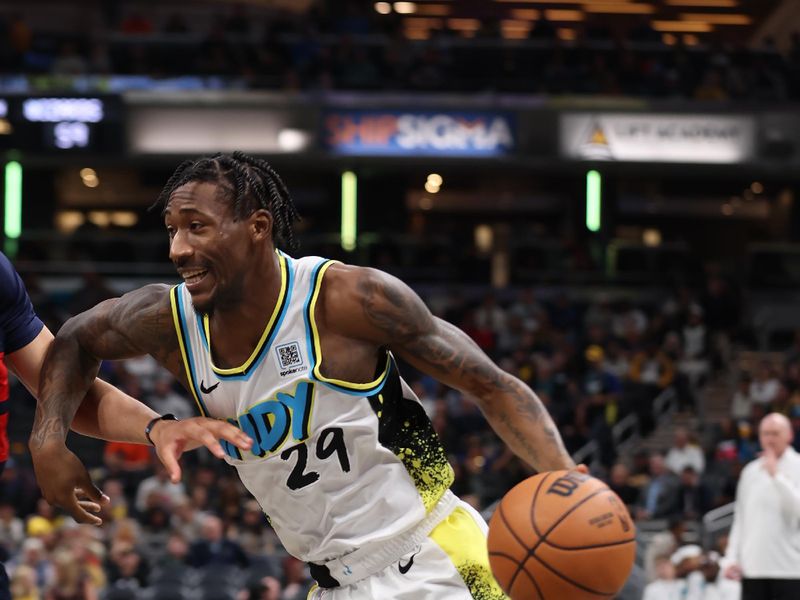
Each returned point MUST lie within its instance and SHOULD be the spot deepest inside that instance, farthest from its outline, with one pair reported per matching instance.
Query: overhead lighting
(461, 24)
(435, 179)
(434, 10)
(101, 218)
(123, 218)
(690, 39)
(423, 22)
(89, 177)
(417, 33)
(430, 188)
(757, 187)
(528, 14)
(293, 140)
(567, 35)
(704, 3)
(651, 238)
(718, 19)
(405, 8)
(558, 14)
(683, 26)
(68, 221)
(619, 8)
(383, 8)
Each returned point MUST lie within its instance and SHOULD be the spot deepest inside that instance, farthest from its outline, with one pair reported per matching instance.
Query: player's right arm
(138, 323)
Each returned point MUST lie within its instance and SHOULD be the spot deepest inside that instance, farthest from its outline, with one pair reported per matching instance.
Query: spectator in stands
(165, 400)
(765, 387)
(694, 496)
(663, 545)
(651, 372)
(764, 546)
(12, 529)
(126, 564)
(70, 581)
(34, 556)
(664, 586)
(742, 403)
(659, 498)
(714, 585)
(619, 482)
(296, 579)
(684, 454)
(158, 490)
(214, 548)
(128, 463)
(177, 552)
(266, 588)
(23, 584)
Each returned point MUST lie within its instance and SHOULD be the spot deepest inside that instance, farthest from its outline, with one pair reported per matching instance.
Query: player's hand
(173, 438)
(65, 482)
(734, 572)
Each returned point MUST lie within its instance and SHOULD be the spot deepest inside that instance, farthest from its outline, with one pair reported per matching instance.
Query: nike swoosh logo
(403, 568)
(206, 390)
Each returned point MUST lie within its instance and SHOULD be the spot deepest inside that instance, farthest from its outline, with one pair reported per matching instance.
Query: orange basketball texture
(561, 535)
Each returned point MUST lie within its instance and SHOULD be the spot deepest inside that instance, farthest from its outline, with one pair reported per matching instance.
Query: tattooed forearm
(46, 429)
(446, 352)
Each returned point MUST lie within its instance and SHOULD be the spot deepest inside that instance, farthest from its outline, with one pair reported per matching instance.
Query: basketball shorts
(451, 563)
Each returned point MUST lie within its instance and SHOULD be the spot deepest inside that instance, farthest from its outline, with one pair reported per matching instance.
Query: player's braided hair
(250, 183)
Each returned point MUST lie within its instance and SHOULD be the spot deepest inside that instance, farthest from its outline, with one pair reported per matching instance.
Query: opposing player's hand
(173, 438)
(66, 483)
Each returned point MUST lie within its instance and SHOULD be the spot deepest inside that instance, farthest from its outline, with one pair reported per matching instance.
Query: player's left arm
(382, 309)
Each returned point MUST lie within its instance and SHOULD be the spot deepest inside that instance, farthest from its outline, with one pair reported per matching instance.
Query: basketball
(561, 535)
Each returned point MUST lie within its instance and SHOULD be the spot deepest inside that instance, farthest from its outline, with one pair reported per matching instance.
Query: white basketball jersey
(333, 464)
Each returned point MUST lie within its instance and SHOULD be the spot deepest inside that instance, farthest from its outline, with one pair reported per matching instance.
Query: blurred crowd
(593, 362)
(349, 46)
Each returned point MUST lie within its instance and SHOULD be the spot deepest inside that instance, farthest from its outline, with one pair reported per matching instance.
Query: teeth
(194, 276)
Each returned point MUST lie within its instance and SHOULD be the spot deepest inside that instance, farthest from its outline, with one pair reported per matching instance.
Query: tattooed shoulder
(391, 306)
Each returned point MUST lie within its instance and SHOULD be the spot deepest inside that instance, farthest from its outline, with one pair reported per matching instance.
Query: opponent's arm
(385, 310)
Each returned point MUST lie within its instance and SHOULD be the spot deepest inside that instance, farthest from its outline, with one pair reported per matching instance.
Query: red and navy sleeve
(19, 324)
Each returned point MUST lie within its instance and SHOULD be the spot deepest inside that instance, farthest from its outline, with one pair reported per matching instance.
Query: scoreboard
(62, 124)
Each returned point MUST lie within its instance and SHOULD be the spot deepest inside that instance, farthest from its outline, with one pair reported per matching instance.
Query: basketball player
(300, 354)
(25, 340)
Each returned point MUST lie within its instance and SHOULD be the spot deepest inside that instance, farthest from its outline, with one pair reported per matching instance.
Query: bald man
(764, 546)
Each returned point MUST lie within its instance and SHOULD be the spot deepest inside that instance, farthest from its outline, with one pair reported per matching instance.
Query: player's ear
(261, 224)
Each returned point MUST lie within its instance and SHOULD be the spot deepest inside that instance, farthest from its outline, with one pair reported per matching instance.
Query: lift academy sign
(668, 138)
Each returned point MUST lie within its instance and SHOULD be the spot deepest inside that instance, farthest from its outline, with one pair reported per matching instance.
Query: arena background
(603, 194)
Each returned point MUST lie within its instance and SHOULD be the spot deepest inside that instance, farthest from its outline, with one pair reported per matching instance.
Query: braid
(248, 183)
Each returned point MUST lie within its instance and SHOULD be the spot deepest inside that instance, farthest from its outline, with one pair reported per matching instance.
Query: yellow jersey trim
(279, 304)
(173, 300)
(318, 346)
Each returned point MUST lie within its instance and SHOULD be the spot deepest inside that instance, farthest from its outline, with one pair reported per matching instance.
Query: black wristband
(149, 428)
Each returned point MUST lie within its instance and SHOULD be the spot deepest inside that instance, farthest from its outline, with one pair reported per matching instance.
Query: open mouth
(192, 278)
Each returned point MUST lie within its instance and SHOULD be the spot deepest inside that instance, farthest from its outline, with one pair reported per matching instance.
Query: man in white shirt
(764, 546)
(683, 454)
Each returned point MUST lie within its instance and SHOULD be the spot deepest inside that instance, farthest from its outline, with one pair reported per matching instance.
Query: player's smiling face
(209, 247)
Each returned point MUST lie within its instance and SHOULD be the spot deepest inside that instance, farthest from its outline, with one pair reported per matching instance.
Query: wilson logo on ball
(566, 485)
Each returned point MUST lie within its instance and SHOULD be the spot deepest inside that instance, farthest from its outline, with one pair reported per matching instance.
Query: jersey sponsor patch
(290, 359)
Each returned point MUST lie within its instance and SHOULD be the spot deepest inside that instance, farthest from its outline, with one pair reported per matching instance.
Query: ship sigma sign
(669, 138)
(418, 133)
